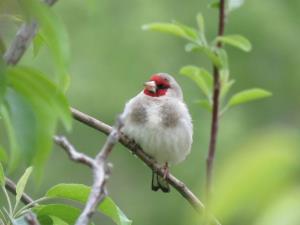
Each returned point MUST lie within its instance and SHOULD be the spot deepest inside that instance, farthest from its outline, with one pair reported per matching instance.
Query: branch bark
(31, 219)
(215, 111)
(100, 167)
(138, 151)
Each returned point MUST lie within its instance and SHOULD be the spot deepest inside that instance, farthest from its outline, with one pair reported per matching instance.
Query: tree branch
(215, 111)
(138, 151)
(72, 153)
(101, 170)
(22, 40)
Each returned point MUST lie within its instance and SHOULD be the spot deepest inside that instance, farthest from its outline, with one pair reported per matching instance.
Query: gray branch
(72, 153)
(137, 150)
(31, 219)
(100, 167)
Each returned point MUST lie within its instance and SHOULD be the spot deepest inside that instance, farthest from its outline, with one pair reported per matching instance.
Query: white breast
(164, 144)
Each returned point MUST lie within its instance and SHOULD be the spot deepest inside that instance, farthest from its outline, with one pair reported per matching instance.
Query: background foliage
(258, 143)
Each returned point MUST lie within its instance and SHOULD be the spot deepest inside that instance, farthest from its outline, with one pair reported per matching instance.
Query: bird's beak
(150, 86)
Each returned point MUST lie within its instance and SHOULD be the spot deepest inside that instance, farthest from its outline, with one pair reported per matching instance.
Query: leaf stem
(215, 111)
(8, 200)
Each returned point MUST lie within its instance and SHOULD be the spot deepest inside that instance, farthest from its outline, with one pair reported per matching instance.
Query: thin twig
(215, 111)
(72, 153)
(101, 170)
(22, 40)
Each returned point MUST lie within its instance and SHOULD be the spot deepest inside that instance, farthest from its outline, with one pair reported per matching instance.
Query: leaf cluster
(54, 213)
(198, 42)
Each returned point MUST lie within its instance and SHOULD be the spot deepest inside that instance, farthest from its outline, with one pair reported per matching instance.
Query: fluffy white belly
(170, 145)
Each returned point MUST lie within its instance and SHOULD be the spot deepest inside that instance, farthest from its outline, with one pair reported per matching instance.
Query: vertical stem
(215, 111)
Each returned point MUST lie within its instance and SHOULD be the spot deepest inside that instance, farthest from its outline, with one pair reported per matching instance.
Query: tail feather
(158, 182)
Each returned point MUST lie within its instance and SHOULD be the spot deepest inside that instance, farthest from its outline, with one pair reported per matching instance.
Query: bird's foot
(166, 170)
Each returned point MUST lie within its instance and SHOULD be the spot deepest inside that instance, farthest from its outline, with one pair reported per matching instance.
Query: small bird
(159, 121)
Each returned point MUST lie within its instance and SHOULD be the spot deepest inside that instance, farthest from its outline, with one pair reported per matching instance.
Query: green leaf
(237, 41)
(14, 158)
(79, 192)
(21, 118)
(38, 89)
(200, 22)
(67, 213)
(20, 187)
(234, 4)
(200, 76)
(208, 51)
(2, 177)
(214, 4)
(248, 95)
(37, 103)
(174, 29)
(53, 34)
(190, 32)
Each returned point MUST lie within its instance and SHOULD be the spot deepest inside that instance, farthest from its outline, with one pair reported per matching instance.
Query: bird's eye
(161, 86)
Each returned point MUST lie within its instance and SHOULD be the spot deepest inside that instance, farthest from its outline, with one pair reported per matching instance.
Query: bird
(159, 121)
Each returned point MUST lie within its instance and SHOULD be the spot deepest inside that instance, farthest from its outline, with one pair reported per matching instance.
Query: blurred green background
(112, 57)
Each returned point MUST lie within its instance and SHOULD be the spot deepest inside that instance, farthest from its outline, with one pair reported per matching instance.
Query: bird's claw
(166, 170)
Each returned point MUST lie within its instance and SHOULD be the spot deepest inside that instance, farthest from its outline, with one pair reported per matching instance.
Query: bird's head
(162, 84)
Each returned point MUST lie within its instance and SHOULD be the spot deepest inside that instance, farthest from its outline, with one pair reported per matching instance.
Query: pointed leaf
(2, 177)
(20, 187)
(80, 192)
(237, 41)
(214, 57)
(248, 95)
(200, 76)
(174, 29)
(200, 22)
(190, 31)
